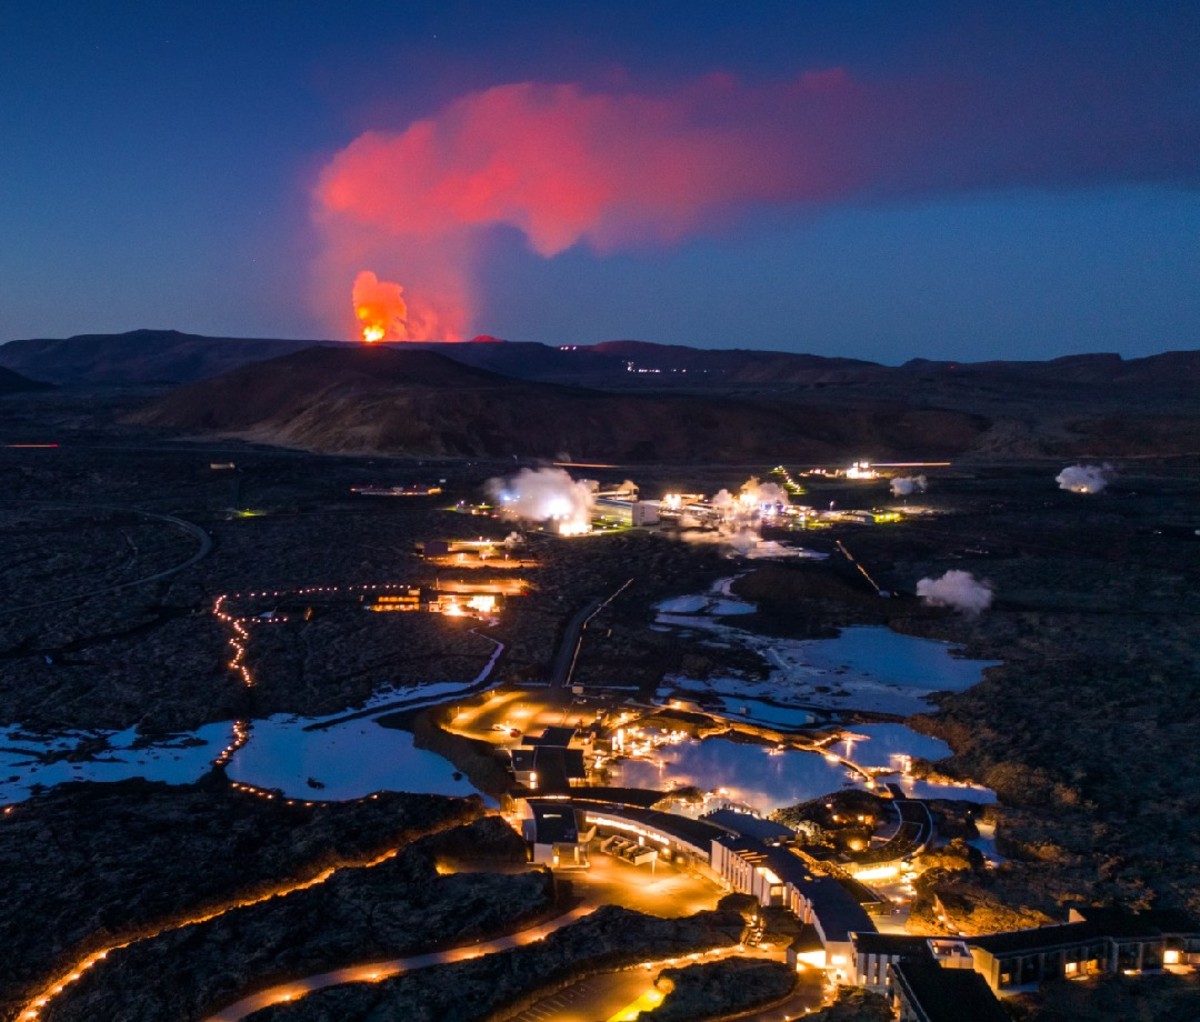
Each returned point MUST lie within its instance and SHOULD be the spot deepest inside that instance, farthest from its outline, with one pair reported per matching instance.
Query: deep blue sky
(157, 162)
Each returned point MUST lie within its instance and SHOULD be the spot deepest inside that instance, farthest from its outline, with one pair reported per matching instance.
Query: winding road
(203, 539)
(568, 651)
(376, 971)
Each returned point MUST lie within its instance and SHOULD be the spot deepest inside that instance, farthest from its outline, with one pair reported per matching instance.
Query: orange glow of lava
(380, 308)
(386, 314)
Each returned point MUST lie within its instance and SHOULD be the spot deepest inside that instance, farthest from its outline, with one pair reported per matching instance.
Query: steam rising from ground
(546, 495)
(1084, 478)
(738, 520)
(957, 589)
(904, 486)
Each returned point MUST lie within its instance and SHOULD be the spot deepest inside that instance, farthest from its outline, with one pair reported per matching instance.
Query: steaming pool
(768, 779)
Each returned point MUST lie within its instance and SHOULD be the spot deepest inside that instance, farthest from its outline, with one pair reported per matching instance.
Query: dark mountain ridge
(15, 383)
(403, 399)
(168, 356)
(137, 357)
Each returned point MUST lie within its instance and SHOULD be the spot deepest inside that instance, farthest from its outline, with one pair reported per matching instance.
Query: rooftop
(894, 944)
(554, 822)
(749, 825)
(694, 832)
(552, 736)
(1119, 922)
(1039, 938)
(946, 995)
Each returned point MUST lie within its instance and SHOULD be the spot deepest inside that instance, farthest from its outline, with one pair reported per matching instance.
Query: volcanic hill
(15, 383)
(404, 400)
(137, 357)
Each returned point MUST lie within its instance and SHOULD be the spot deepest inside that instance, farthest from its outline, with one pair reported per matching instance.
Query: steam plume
(1084, 478)
(957, 589)
(738, 520)
(904, 486)
(546, 495)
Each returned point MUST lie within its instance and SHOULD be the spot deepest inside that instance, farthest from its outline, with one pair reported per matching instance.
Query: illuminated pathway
(56, 986)
(668, 894)
(240, 626)
(376, 971)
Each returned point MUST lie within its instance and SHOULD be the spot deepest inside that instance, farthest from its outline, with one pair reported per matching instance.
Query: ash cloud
(1084, 478)
(615, 168)
(959, 590)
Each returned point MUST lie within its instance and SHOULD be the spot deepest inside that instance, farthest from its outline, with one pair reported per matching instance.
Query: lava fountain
(387, 314)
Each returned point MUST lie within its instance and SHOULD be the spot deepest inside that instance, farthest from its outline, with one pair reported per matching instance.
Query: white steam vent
(904, 486)
(547, 495)
(957, 589)
(1084, 478)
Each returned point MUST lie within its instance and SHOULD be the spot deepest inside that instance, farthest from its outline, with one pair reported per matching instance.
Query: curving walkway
(203, 539)
(373, 972)
(478, 685)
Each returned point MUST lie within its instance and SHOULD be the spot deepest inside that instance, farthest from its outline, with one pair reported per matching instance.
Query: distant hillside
(15, 383)
(141, 356)
(407, 400)
(743, 403)
(167, 356)
(1176, 371)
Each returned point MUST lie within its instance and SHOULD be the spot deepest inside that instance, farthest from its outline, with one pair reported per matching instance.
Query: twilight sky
(877, 180)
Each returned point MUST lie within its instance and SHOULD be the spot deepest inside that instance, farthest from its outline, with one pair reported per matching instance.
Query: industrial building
(404, 490)
(548, 763)
(619, 511)
(925, 977)
(457, 599)
(733, 848)
(556, 833)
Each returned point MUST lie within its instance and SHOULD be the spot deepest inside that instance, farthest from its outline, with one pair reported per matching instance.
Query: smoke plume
(957, 589)
(905, 486)
(615, 168)
(546, 495)
(1084, 478)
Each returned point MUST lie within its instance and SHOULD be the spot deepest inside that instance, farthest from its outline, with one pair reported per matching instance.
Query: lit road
(597, 997)
(618, 996)
(667, 892)
(373, 972)
(807, 996)
(527, 711)
(568, 651)
(478, 684)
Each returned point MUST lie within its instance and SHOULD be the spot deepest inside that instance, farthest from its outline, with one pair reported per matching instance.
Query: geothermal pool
(351, 758)
(767, 779)
(865, 668)
(347, 760)
(31, 759)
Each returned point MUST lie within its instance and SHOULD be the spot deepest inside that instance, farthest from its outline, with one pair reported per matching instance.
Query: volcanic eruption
(386, 315)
